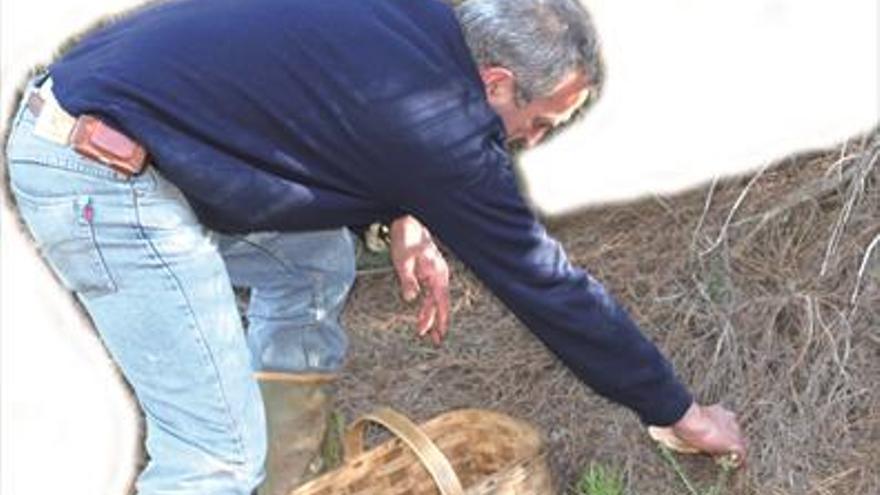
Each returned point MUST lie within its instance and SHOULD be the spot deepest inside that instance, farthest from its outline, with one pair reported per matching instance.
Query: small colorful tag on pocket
(88, 210)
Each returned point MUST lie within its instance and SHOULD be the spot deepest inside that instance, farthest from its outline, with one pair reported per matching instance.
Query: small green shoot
(726, 467)
(599, 480)
(331, 449)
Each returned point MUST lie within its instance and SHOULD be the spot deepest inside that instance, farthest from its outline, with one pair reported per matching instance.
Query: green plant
(331, 449)
(599, 480)
(726, 466)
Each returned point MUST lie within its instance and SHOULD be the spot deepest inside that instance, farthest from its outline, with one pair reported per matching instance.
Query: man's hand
(708, 429)
(421, 269)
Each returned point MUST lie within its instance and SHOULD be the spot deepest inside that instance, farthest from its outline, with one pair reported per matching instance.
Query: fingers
(421, 269)
(427, 316)
(713, 430)
(433, 316)
(426, 272)
(441, 299)
(405, 267)
(728, 424)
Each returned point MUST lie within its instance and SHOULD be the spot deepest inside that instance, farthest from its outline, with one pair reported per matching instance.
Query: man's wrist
(668, 402)
(408, 231)
(692, 423)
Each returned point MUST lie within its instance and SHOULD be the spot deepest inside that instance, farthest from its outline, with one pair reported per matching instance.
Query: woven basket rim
(485, 413)
(533, 446)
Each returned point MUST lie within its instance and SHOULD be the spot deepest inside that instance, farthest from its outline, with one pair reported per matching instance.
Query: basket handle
(431, 457)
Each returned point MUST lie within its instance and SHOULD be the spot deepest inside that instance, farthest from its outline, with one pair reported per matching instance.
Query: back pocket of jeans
(64, 232)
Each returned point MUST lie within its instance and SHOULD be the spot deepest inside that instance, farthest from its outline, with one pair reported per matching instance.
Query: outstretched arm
(449, 169)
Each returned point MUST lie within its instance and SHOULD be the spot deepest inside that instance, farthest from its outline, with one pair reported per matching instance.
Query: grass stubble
(764, 291)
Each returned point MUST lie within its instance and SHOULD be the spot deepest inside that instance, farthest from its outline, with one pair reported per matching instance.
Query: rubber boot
(297, 411)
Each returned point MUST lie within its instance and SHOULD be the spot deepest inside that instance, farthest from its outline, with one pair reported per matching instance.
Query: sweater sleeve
(446, 164)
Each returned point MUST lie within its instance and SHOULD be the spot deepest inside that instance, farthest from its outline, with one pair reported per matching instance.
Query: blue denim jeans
(158, 287)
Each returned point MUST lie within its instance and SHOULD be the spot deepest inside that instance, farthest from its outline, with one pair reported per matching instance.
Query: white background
(698, 88)
(695, 89)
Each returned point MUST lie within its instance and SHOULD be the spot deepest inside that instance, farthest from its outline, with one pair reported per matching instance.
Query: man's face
(526, 124)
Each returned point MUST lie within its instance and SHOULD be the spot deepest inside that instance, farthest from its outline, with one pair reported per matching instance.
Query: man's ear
(500, 85)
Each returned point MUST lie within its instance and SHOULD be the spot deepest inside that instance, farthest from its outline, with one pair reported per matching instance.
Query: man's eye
(543, 126)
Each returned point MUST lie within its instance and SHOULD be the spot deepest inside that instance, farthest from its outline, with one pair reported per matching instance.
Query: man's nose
(534, 137)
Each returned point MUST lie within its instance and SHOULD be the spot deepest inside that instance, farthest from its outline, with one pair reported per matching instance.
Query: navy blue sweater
(308, 114)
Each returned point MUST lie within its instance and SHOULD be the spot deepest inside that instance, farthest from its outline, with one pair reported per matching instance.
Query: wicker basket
(464, 452)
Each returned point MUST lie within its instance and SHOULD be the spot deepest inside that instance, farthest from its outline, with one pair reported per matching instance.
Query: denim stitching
(314, 275)
(239, 440)
(71, 161)
(72, 164)
(111, 285)
(317, 279)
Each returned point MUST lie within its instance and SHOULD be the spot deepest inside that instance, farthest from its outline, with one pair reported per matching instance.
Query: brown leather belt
(86, 134)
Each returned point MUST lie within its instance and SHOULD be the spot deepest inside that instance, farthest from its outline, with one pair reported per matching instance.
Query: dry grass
(763, 290)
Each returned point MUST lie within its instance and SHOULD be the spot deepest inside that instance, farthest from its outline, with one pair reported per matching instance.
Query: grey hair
(539, 41)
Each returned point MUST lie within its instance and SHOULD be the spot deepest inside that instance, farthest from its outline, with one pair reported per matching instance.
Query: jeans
(158, 287)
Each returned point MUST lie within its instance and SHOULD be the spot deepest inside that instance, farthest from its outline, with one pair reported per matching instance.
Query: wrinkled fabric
(280, 115)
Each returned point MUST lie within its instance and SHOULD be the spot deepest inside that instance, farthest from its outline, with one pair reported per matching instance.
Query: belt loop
(40, 78)
(33, 82)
